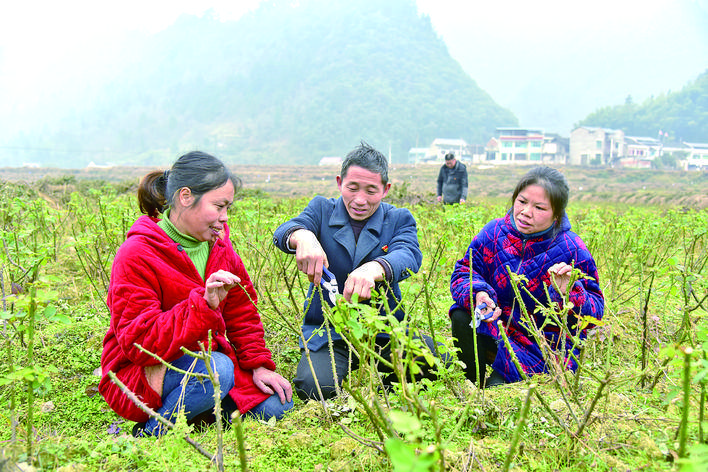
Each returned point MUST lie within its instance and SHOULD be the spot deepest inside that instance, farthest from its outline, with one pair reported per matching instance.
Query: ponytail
(151, 193)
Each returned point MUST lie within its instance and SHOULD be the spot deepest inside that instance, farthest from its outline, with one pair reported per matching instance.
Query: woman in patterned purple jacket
(533, 240)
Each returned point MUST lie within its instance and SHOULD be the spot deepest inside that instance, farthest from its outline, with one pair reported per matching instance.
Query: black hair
(555, 185)
(368, 158)
(198, 171)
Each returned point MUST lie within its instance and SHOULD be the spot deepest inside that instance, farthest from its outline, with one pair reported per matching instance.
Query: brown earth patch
(416, 184)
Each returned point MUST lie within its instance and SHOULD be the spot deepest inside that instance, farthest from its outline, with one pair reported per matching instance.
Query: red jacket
(156, 300)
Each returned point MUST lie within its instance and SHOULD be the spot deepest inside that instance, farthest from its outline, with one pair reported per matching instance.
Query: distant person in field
(452, 181)
(535, 241)
(177, 282)
(366, 244)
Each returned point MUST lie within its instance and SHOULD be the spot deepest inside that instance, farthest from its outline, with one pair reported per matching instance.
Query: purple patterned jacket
(498, 246)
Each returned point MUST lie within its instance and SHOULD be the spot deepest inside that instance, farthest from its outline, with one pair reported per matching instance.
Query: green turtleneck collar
(198, 251)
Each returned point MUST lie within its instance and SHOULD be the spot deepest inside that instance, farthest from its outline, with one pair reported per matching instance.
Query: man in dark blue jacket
(365, 243)
(452, 181)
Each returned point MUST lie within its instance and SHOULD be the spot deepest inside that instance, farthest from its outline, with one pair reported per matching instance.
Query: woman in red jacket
(177, 282)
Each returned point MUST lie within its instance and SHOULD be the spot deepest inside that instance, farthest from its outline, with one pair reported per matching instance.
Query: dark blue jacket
(389, 234)
(452, 183)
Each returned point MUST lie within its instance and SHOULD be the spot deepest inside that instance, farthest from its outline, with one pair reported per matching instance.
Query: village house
(696, 156)
(441, 146)
(555, 149)
(417, 154)
(587, 146)
(595, 146)
(435, 154)
(515, 146)
(640, 152)
(599, 146)
(525, 146)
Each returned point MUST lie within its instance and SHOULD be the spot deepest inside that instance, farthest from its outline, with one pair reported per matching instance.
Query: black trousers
(464, 341)
(304, 381)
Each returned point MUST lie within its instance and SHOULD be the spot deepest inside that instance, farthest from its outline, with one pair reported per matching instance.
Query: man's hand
(309, 255)
(362, 280)
(439, 198)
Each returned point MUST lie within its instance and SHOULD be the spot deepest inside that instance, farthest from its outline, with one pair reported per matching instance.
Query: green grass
(648, 256)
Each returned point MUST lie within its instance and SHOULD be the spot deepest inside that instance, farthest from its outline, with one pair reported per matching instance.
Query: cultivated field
(637, 402)
(632, 186)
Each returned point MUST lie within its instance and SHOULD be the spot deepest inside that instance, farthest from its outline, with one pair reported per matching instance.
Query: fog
(550, 62)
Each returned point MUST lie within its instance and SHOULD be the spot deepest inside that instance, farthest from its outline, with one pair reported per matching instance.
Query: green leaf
(405, 422)
(49, 311)
(404, 457)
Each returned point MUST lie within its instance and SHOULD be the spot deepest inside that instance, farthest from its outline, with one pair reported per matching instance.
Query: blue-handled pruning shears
(328, 282)
(478, 316)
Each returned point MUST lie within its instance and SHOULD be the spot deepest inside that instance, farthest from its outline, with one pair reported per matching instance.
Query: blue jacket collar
(369, 237)
(340, 217)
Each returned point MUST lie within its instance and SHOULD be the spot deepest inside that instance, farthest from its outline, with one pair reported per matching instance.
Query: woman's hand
(271, 382)
(217, 287)
(492, 311)
(560, 276)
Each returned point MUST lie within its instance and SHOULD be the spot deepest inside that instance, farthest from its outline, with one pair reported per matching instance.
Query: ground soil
(415, 184)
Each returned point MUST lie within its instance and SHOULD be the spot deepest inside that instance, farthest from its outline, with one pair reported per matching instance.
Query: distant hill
(290, 82)
(683, 114)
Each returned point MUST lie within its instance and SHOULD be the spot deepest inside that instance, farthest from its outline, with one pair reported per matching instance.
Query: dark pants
(304, 381)
(464, 341)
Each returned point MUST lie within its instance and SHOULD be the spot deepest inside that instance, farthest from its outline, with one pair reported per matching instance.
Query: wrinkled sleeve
(310, 219)
(404, 255)
(441, 179)
(137, 315)
(244, 327)
(463, 183)
(585, 295)
(465, 281)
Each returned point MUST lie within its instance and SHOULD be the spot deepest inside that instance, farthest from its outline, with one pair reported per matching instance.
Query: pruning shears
(479, 317)
(328, 282)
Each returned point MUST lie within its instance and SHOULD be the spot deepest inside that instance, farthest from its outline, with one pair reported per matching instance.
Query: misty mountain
(553, 63)
(683, 114)
(290, 82)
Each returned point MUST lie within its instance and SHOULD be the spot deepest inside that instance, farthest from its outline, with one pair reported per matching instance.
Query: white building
(697, 158)
(595, 146)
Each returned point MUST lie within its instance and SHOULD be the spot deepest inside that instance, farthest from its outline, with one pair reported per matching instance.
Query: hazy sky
(524, 53)
(554, 61)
